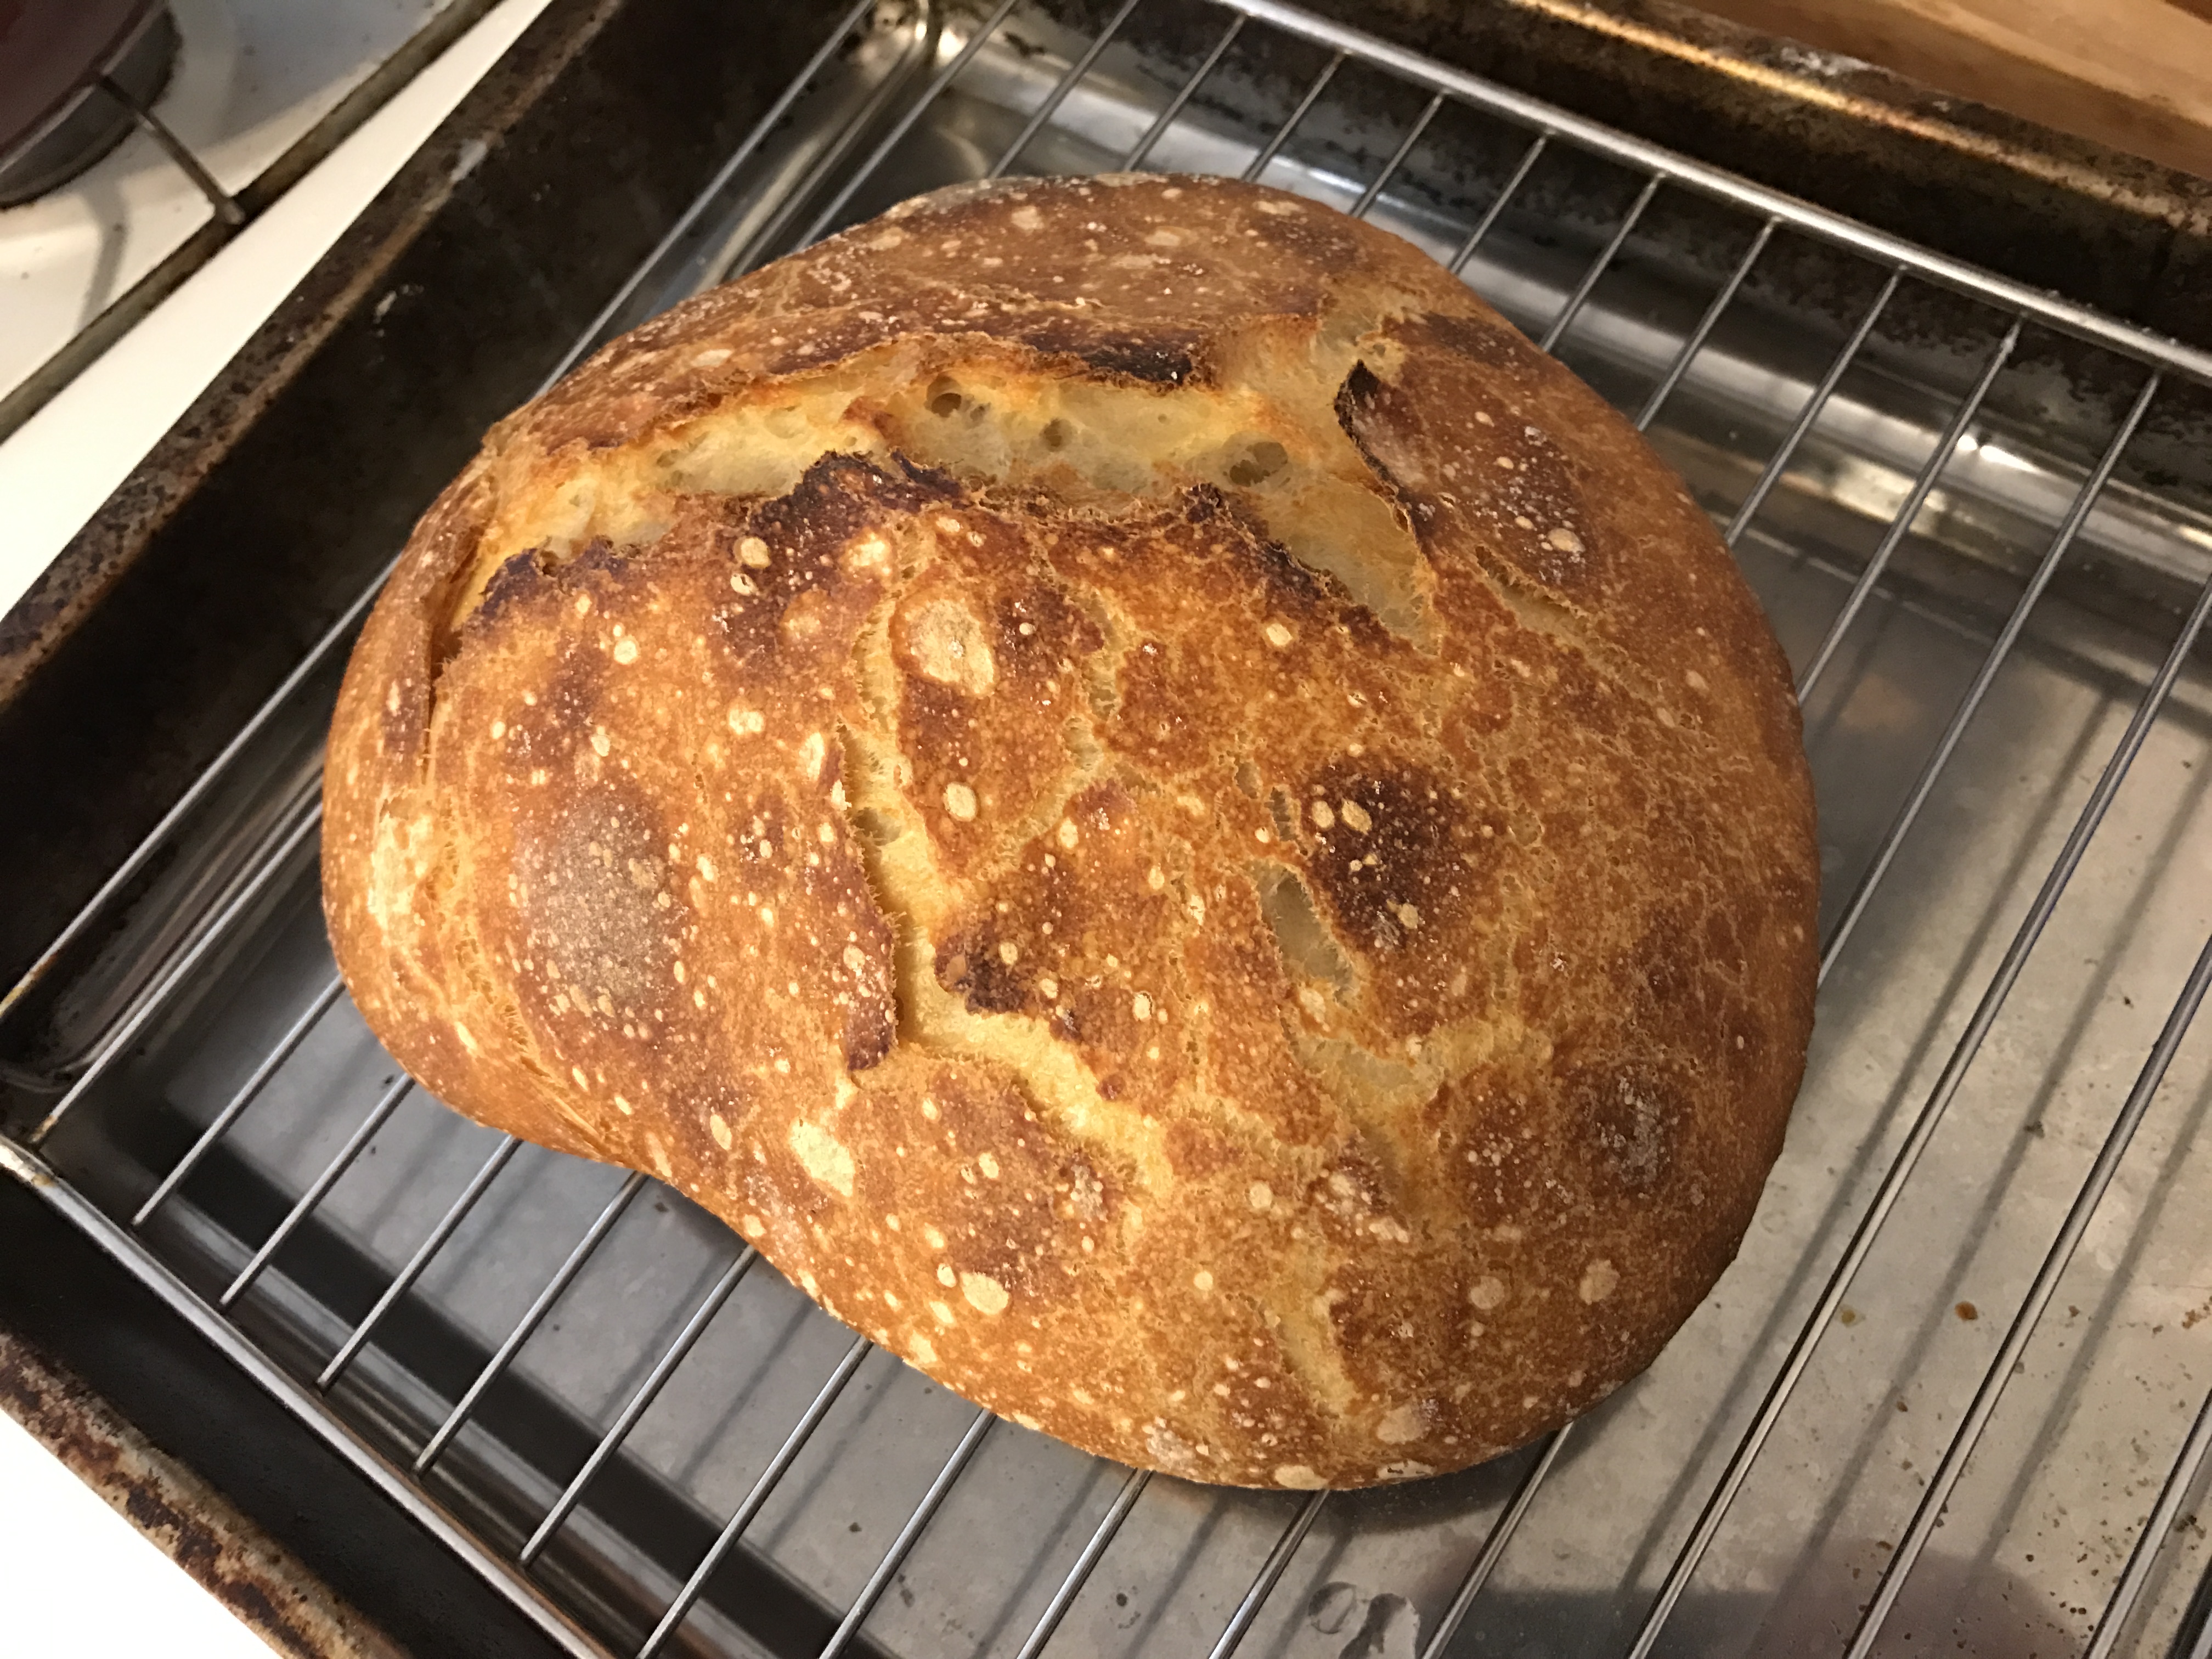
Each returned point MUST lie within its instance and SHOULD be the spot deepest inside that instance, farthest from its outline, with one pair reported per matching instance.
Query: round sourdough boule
(1176, 823)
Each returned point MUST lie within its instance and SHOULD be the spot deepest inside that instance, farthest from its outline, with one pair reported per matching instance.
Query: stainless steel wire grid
(1955, 1393)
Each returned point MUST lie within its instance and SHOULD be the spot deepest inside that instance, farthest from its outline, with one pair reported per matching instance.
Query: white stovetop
(251, 77)
(58, 468)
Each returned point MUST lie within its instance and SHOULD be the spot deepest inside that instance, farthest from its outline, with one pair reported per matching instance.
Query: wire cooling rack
(657, 1447)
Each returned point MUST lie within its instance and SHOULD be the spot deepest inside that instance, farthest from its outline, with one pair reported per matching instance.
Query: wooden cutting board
(2133, 74)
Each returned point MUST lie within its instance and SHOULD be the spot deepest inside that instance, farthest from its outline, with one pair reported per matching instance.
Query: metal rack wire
(1548, 130)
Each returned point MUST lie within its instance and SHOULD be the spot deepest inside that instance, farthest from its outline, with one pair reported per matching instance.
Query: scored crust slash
(1180, 826)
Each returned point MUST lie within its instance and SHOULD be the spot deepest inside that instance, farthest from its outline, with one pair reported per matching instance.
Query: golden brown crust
(1179, 826)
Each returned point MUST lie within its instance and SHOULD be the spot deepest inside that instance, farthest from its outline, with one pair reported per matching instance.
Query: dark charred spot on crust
(1363, 390)
(1161, 356)
(831, 336)
(571, 698)
(1286, 583)
(970, 965)
(1389, 866)
(804, 604)
(444, 637)
(1560, 551)
(1385, 1315)
(1202, 503)
(524, 577)
(579, 413)
(1152, 362)
(1313, 236)
(599, 558)
(1632, 1115)
(1285, 579)
(704, 527)
(870, 1031)
(1584, 695)
(934, 482)
(1057, 626)
(933, 717)
(1444, 436)
(836, 499)
(1011, 1181)
(1494, 345)
(1499, 1161)
(1156, 719)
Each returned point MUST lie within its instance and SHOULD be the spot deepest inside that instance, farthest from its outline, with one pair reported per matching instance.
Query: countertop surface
(78, 1578)
(2133, 74)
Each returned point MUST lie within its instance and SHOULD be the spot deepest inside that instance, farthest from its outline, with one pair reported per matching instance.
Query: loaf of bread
(1177, 824)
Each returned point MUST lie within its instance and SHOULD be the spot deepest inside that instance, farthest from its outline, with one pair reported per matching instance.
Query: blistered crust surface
(1177, 824)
